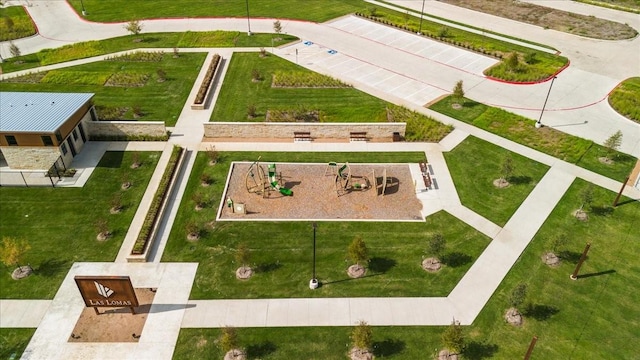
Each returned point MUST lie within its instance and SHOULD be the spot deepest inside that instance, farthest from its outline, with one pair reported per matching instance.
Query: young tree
(134, 27)
(558, 241)
(14, 49)
(436, 245)
(162, 75)
(453, 338)
(213, 155)
(507, 168)
(12, 251)
(8, 22)
(243, 254)
(362, 336)
(613, 143)
(358, 251)
(518, 295)
(228, 340)
(458, 92)
(512, 61)
(102, 227)
(277, 28)
(586, 196)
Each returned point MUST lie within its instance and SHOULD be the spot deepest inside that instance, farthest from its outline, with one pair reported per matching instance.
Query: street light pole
(84, 13)
(248, 22)
(313, 284)
(539, 122)
(421, 13)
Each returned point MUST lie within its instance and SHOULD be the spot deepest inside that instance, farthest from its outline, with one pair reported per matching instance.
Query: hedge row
(147, 227)
(208, 78)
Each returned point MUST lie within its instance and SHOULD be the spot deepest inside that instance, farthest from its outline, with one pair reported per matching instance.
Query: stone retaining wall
(30, 157)
(127, 128)
(253, 130)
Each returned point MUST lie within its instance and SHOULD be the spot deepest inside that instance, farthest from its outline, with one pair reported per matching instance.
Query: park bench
(358, 136)
(426, 177)
(301, 136)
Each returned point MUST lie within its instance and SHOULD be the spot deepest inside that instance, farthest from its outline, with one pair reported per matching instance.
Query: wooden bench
(426, 177)
(301, 136)
(358, 136)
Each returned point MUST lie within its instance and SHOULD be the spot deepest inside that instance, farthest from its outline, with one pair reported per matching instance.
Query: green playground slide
(274, 182)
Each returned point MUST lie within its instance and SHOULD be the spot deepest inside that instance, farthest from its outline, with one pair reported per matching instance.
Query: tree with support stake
(574, 276)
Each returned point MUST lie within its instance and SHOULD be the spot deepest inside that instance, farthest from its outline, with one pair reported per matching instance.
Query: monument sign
(107, 291)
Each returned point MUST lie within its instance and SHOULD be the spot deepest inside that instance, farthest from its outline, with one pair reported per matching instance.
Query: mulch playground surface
(315, 196)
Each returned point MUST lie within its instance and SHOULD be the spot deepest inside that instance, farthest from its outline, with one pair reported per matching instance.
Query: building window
(63, 147)
(46, 140)
(58, 136)
(11, 140)
(75, 134)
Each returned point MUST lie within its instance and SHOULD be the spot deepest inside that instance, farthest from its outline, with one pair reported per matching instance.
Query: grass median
(279, 250)
(167, 41)
(60, 223)
(475, 164)
(572, 149)
(625, 99)
(15, 24)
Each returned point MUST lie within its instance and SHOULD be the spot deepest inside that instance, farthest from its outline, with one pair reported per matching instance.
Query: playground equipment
(257, 182)
(346, 182)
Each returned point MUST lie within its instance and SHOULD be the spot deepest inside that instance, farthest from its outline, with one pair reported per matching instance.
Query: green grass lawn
(625, 99)
(595, 317)
(157, 101)
(121, 10)
(168, 41)
(334, 104)
(317, 343)
(13, 341)
(542, 66)
(475, 164)
(58, 223)
(396, 248)
(15, 23)
(575, 150)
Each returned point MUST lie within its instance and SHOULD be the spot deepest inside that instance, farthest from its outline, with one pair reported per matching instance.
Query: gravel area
(315, 195)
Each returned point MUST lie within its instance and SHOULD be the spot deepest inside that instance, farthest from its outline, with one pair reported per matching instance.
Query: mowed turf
(595, 317)
(239, 91)
(121, 10)
(157, 101)
(474, 165)
(59, 223)
(281, 252)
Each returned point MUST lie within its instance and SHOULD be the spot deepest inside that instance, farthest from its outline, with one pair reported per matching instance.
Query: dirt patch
(500, 183)
(315, 195)
(114, 324)
(549, 18)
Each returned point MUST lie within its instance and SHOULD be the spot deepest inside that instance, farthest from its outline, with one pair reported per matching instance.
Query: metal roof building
(35, 112)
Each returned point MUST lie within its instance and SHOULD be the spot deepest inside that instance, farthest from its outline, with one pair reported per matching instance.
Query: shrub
(208, 79)
(358, 251)
(152, 215)
(362, 335)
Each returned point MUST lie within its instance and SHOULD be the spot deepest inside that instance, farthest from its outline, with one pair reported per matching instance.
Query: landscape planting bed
(315, 196)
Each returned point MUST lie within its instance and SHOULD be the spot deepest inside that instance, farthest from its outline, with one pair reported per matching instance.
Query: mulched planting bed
(315, 196)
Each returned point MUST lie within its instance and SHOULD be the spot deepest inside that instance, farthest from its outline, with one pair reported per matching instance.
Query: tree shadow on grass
(570, 256)
(381, 265)
(388, 347)
(540, 312)
(265, 268)
(52, 267)
(480, 350)
(520, 180)
(456, 259)
(258, 351)
(602, 210)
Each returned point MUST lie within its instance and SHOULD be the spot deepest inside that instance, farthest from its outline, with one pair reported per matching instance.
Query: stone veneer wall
(30, 157)
(251, 130)
(126, 128)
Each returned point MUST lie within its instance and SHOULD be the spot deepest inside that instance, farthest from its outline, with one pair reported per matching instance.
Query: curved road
(577, 103)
